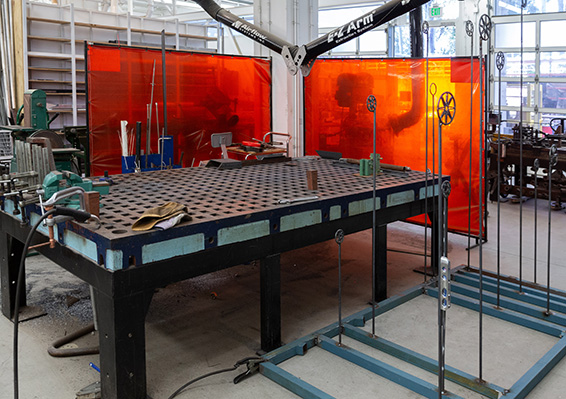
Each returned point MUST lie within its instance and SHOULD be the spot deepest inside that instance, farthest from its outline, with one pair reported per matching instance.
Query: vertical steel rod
(164, 72)
(552, 157)
(373, 226)
(432, 91)
(523, 4)
(447, 105)
(441, 313)
(535, 172)
(480, 219)
(339, 237)
(372, 107)
(470, 32)
(500, 63)
(425, 30)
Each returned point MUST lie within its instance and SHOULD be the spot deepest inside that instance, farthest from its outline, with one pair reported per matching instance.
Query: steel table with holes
(236, 218)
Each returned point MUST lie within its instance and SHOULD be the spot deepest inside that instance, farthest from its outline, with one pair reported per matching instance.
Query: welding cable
(18, 293)
(81, 216)
(226, 370)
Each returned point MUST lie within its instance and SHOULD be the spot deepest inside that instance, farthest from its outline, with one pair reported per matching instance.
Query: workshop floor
(208, 323)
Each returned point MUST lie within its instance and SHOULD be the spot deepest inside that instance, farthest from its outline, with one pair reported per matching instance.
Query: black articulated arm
(269, 40)
(305, 56)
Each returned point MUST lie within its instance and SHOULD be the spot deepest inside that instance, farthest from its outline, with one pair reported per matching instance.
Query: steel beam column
(122, 343)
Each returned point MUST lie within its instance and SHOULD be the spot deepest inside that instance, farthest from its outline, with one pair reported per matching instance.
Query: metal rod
(425, 30)
(535, 171)
(373, 226)
(339, 237)
(164, 72)
(523, 4)
(150, 107)
(441, 313)
(432, 91)
(470, 32)
(552, 158)
(500, 62)
(480, 197)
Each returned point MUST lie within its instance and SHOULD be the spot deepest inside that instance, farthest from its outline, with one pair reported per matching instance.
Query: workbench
(236, 218)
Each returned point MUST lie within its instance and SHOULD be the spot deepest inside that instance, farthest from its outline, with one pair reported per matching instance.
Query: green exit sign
(436, 12)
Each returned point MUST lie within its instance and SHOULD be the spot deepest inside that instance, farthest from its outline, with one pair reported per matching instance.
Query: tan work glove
(155, 215)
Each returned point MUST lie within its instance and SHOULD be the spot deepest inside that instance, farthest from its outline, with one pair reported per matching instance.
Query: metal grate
(212, 194)
(6, 146)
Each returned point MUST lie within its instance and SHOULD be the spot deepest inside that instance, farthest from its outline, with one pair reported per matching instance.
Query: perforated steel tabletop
(212, 194)
(231, 206)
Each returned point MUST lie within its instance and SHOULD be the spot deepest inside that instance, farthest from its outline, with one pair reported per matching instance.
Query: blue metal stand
(154, 161)
(525, 310)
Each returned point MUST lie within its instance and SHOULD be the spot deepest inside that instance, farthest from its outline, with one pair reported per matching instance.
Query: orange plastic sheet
(206, 93)
(337, 119)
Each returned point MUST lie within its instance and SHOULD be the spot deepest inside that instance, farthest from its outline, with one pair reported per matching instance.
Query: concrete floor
(189, 333)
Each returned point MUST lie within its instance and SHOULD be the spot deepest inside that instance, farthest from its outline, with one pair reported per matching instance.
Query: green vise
(366, 165)
(56, 181)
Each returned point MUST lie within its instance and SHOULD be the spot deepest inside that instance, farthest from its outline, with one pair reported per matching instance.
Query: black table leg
(381, 263)
(270, 280)
(11, 252)
(122, 344)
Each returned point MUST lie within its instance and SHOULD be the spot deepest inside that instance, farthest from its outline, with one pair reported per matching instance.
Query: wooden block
(312, 179)
(92, 202)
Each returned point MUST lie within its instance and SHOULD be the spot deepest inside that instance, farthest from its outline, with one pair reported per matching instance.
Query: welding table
(235, 219)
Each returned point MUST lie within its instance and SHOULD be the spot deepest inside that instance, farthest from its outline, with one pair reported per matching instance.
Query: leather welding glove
(160, 213)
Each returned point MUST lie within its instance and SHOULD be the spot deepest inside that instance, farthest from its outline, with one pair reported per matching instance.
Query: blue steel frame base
(523, 309)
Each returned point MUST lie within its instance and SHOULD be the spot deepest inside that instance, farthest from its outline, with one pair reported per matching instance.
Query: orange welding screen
(206, 93)
(337, 119)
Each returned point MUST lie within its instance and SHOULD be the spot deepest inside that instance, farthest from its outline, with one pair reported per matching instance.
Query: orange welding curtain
(337, 119)
(206, 93)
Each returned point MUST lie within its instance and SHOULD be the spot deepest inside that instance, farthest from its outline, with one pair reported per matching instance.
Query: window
(544, 63)
(513, 7)
(442, 41)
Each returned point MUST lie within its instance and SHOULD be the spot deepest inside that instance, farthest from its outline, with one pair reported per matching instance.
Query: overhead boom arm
(305, 56)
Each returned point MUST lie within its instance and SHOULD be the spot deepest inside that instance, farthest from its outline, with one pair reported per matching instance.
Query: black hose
(239, 363)
(79, 215)
(19, 283)
(209, 6)
(56, 351)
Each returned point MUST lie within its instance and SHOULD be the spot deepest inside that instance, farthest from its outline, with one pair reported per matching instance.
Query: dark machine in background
(536, 145)
(69, 146)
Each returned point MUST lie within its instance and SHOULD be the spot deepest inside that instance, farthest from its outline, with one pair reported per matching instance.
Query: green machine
(35, 110)
(57, 181)
(36, 123)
